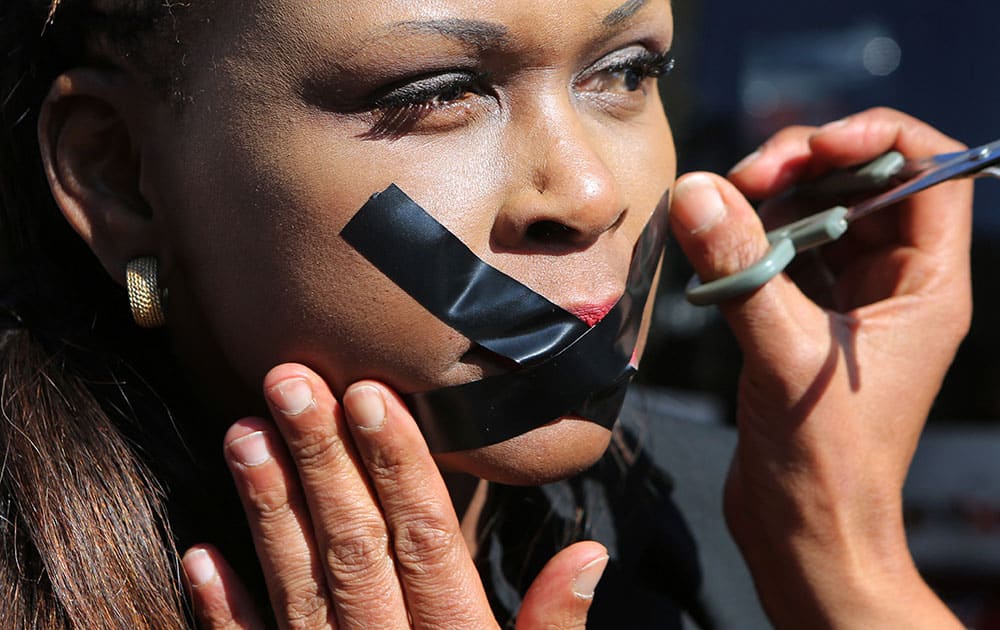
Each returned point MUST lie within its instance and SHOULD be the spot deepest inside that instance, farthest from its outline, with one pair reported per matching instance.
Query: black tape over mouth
(564, 368)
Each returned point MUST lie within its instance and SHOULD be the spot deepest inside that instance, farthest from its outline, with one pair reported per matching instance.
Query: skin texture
(554, 143)
(548, 172)
(832, 400)
(547, 163)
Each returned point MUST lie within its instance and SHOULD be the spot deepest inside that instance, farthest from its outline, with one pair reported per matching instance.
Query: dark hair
(83, 529)
(83, 525)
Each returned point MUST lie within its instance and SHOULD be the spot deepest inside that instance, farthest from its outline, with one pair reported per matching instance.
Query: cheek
(265, 275)
(313, 304)
(267, 279)
(647, 163)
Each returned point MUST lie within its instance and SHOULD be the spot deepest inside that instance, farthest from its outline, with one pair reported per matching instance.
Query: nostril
(541, 231)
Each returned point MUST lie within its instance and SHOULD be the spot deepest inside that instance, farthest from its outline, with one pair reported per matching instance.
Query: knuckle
(569, 621)
(384, 470)
(737, 253)
(270, 503)
(373, 609)
(363, 551)
(317, 449)
(956, 322)
(424, 543)
(307, 612)
(299, 590)
(747, 252)
(881, 111)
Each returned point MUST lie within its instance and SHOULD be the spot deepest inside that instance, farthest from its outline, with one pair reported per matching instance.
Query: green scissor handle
(812, 231)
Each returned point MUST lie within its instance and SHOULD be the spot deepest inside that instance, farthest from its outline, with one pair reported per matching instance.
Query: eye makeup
(456, 97)
(434, 90)
(400, 108)
(631, 66)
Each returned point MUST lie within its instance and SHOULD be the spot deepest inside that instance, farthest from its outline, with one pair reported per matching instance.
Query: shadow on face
(533, 132)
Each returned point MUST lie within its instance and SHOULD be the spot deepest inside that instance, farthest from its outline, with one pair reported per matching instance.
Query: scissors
(913, 176)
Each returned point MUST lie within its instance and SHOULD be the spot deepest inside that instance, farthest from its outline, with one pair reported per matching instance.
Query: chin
(549, 453)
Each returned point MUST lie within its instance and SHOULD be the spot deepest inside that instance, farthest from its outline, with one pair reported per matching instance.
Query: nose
(565, 196)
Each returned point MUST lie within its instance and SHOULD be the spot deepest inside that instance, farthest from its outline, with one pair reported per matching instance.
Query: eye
(449, 97)
(625, 71)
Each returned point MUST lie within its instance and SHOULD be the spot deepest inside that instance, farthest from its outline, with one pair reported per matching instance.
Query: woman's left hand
(354, 527)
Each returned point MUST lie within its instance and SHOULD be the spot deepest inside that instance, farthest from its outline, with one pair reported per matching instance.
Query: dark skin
(296, 118)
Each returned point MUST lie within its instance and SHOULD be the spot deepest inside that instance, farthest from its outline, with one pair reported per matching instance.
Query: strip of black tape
(437, 270)
(585, 374)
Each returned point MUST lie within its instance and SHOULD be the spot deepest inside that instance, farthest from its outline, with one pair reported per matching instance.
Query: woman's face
(528, 129)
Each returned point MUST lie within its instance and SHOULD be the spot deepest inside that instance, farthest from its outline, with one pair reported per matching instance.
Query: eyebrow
(624, 12)
(476, 33)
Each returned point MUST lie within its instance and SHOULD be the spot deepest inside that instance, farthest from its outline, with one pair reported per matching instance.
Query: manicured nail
(366, 407)
(745, 162)
(199, 567)
(250, 450)
(586, 580)
(703, 203)
(292, 396)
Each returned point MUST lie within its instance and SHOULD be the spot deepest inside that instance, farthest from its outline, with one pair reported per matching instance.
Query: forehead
(344, 25)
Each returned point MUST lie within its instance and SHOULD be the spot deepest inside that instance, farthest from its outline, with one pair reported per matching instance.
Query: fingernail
(250, 450)
(199, 567)
(745, 162)
(586, 580)
(837, 124)
(703, 204)
(292, 396)
(366, 407)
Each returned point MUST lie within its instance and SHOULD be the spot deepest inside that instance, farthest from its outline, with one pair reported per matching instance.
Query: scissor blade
(990, 171)
(932, 171)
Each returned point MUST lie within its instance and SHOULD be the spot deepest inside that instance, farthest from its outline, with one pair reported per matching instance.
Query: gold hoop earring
(144, 296)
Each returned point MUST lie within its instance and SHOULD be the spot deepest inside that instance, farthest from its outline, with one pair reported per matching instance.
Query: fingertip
(286, 371)
(293, 389)
(370, 406)
(246, 426)
(291, 396)
(365, 405)
(716, 227)
(218, 597)
(589, 575)
(394, 403)
(199, 566)
(775, 165)
(852, 140)
(698, 206)
(745, 163)
(563, 591)
(728, 247)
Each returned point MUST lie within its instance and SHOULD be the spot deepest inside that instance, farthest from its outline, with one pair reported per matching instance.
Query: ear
(91, 154)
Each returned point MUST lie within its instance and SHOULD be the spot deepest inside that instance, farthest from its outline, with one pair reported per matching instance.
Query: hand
(832, 400)
(354, 527)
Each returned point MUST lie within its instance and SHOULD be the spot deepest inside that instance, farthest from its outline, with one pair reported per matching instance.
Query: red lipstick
(591, 314)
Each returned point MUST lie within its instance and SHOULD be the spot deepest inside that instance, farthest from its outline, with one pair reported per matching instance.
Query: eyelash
(642, 65)
(399, 109)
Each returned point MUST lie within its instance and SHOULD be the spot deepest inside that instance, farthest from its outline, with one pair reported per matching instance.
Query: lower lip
(591, 314)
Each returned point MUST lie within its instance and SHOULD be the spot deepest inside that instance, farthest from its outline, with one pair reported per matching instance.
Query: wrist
(820, 582)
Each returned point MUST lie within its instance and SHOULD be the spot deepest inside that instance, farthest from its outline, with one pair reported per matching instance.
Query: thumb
(560, 596)
(721, 234)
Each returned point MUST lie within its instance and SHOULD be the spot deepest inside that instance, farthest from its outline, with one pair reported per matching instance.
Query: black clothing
(655, 501)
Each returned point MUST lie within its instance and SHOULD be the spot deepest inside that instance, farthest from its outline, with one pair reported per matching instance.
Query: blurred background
(745, 70)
